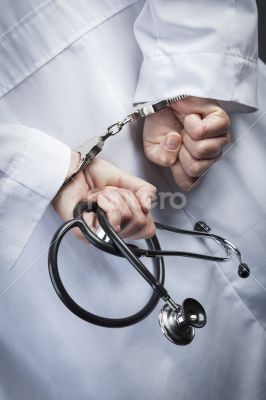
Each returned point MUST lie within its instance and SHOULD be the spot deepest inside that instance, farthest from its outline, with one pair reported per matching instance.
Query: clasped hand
(188, 137)
(125, 198)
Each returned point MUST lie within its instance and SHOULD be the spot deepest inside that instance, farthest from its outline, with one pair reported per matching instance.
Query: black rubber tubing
(78, 221)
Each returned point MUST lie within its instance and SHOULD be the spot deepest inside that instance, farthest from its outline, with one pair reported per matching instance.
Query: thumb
(169, 148)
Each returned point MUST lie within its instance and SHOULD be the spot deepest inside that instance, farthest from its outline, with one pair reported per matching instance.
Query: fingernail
(172, 141)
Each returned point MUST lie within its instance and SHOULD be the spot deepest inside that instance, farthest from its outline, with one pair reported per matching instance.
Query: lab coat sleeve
(204, 48)
(33, 165)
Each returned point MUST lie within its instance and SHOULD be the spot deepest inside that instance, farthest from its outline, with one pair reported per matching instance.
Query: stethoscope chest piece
(179, 325)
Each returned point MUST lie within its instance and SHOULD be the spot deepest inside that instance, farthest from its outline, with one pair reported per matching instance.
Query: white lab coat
(68, 69)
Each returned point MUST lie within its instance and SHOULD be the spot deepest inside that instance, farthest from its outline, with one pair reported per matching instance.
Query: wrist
(74, 162)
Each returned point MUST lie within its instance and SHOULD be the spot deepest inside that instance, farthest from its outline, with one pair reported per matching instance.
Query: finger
(120, 205)
(91, 220)
(100, 173)
(214, 124)
(168, 149)
(147, 231)
(145, 195)
(194, 105)
(193, 168)
(136, 225)
(163, 150)
(92, 196)
(144, 191)
(157, 127)
(202, 118)
(183, 181)
(113, 194)
(205, 148)
(112, 212)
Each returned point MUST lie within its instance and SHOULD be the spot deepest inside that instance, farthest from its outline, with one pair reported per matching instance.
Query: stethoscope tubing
(69, 302)
(117, 246)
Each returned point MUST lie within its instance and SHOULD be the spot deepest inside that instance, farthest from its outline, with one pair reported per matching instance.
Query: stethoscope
(177, 322)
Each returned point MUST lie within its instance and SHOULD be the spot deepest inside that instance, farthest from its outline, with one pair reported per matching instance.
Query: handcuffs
(92, 147)
(177, 322)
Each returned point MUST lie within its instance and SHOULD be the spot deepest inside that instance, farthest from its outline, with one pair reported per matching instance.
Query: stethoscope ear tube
(68, 301)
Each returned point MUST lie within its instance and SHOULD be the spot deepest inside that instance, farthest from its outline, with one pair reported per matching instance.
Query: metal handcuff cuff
(177, 322)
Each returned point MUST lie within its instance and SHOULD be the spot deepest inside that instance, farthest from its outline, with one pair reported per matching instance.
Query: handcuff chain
(141, 112)
(118, 126)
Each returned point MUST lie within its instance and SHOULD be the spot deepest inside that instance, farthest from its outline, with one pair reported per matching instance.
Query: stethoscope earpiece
(179, 325)
(243, 270)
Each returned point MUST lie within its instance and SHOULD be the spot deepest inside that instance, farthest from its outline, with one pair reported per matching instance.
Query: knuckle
(223, 118)
(220, 145)
(127, 214)
(140, 220)
(150, 231)
(165, 160)
(126, 191)
(132, 203)
(218, 148)
(201, 149)
(184, 186)
(199, 132)
(226, 119)
(114, 207)
(215, 148)
(227, 138)
(151, 188)
(195, 169)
